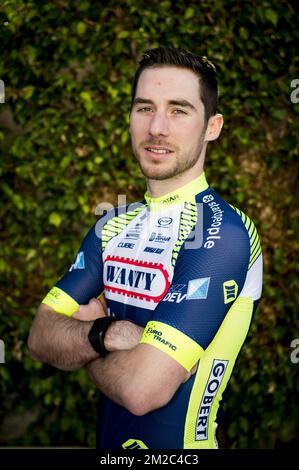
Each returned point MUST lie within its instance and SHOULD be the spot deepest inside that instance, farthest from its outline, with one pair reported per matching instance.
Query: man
(181, 272)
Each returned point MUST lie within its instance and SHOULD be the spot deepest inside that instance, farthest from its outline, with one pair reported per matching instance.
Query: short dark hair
(171, 56)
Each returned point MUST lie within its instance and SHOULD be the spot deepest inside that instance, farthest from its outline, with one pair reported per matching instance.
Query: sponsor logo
(79, 263)
(176, 293)
(132, 236)
(212, 387)
(208, 198)
(158, 237)
(217, 216)
(55, 293)
(198, 288)
(164, 221)
(150, 249)
(134, 278)
(126, 245)
(134, 444)
(158, 336)
(230, 291)
(130, 277)
(134, 232)
(170, 199)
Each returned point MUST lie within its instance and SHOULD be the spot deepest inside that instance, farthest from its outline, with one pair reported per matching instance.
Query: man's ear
(214, 127)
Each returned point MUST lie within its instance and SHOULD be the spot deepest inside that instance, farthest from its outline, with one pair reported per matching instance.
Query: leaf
(113, 92)
(254, 63)
(81, 28)
(279, 114)
(272, 16)
(55, 219)
(86, 96)
(189, 13)
(123, 34)
(28, 92)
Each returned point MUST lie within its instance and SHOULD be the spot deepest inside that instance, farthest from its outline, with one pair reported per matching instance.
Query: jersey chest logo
(134, 278)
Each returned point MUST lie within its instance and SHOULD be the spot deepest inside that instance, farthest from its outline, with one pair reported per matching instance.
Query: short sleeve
(83, 280)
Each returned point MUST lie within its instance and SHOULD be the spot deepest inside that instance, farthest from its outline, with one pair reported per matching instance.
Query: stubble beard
(179, 162)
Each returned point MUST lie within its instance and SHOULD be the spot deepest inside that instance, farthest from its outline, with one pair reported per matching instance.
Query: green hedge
(65, 148)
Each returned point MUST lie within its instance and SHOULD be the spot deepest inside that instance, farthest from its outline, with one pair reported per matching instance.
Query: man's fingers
(83, 313)
(77, 315)
(93, 310)
(102, 300)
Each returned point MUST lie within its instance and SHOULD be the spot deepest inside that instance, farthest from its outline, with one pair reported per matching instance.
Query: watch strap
(97, 333)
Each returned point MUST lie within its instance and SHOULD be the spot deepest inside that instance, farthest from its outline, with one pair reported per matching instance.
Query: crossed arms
(125, 375)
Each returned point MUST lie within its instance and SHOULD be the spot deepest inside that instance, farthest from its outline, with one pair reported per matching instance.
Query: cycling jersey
(187, 266)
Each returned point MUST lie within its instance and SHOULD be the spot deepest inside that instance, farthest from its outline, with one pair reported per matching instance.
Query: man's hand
(96, 308)
(123, 335)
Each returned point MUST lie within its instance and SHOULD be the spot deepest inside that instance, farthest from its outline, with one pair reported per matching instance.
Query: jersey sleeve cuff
(61, 302)
(173, 342)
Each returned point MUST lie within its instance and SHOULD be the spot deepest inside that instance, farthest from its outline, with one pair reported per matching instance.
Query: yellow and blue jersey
(187, 267)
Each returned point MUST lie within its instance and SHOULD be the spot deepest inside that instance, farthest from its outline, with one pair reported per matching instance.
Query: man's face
(167, 122)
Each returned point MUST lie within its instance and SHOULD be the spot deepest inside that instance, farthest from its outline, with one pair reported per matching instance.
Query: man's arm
(57, 336)
(59, 340)
(141, 380)
(63, 341)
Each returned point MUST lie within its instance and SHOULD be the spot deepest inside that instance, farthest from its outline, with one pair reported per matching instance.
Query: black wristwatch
(97, 333)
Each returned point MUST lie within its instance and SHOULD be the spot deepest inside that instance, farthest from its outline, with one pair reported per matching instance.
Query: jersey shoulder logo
(79, 263)
(198, 288)
(230, 291)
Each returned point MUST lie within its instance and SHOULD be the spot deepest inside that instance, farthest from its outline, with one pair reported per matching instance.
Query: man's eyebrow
(182, 103)
(142, 101)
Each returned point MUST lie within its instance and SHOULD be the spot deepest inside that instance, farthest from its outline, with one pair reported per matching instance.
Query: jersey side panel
(216, 364)
(213, 373)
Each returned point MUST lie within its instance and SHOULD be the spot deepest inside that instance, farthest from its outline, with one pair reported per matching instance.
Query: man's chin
(158, 173)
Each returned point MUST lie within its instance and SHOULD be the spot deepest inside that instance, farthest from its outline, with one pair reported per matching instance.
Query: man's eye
(144, 110)
(179, 111)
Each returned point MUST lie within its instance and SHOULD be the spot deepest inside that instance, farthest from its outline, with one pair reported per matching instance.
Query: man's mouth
(158, 150)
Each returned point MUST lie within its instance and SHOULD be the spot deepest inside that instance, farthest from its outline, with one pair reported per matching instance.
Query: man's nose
(159, 125)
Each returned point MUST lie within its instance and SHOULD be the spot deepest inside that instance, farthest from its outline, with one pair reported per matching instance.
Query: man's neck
(157, 188)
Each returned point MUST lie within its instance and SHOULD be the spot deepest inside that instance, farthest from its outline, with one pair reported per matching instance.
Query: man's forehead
(170, 81)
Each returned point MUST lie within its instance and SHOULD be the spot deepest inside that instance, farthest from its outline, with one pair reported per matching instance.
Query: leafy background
(65, 148)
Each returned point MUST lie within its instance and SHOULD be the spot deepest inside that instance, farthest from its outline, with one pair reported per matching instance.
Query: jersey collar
(185, 193)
